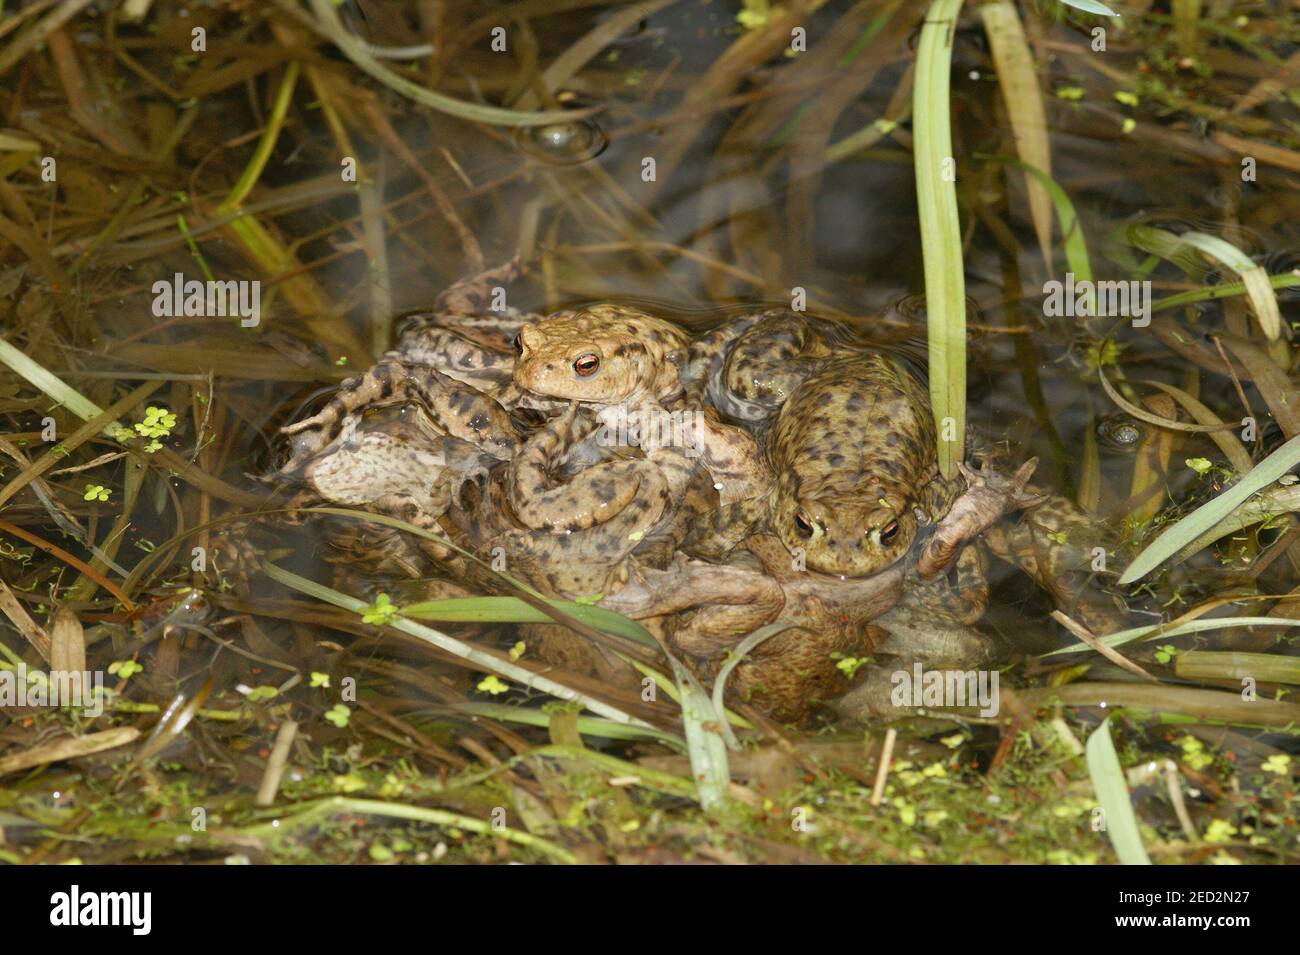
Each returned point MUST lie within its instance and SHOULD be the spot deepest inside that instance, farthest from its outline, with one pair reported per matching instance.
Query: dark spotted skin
(450, 408)
(464, 337)
(852, 455)
(394, 455)
(454, 361)
(792, 672)
(772, 354)
(848, 442)
(1053, 543)
(593, 496)
(620, 361)
(579, 561)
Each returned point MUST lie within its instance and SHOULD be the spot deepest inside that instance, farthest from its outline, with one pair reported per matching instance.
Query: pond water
(707, 160)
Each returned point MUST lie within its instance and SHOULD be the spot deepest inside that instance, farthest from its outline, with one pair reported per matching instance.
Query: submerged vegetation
(211, 214)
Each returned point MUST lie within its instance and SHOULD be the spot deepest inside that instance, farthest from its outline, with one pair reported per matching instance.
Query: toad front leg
(713, 605)
(988, 496)
(458, 408)
(710, 608)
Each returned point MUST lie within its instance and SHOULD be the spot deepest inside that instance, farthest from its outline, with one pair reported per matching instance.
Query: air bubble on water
(563, 144)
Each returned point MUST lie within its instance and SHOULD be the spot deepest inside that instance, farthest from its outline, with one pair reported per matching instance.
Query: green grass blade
(607, 618)
(1024, 103)
(1072, 238)
(1121, 637)
(1258, 289)
(514, 610)
(1112, 792)
(733, 659)
(356, 51)
(292, 816)
(936, 199)
(1179, 535)
(1181, 250)
(587, 725)
(1091, 6)
(46, 381)
(465, 651)
(1159, 242)
(705, 744)
(1211, 293)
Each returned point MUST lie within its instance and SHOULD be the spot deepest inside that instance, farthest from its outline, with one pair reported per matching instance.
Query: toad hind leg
(732, 458)
(592, 497)
(472, 295)
(1055, 543)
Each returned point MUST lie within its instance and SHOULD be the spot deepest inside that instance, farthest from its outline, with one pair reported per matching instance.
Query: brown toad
(627, 366)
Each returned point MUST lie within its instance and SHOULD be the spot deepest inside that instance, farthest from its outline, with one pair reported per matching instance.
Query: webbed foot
(987, 498)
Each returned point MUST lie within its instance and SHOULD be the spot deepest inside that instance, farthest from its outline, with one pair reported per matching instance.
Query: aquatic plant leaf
(1265, 507)
(734, 658)
(586, 725)
(53, 386)
(1160, 421)
(1024, 101)
(514, 610)
(1181, 250)
(1186, 15)
(1229, 444)
(705, 744)
(1179, 535)
(1091, 6)
(1072, 237)
(290, 818)
(1121, 637)
(587, 47)
(1258, 288)
(1112, 792)
(936, 200)
(1237, 665)
(453, 646)
(363, 59)
(68, 747)
(1210, 293)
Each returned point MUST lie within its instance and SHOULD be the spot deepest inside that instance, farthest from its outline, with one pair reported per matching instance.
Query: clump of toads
(703, 484)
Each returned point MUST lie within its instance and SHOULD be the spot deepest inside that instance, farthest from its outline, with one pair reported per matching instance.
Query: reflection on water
(716, 178)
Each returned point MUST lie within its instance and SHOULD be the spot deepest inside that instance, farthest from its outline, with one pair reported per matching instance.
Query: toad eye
(585, 365)
(889, 532)
(802, 526)
(519, 344)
